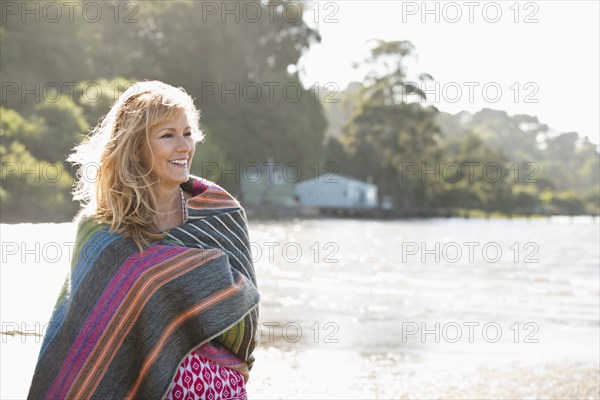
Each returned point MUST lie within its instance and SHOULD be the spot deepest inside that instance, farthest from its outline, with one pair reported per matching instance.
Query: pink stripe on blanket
(92, 329)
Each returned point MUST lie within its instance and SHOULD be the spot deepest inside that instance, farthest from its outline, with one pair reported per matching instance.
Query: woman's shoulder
(83, 217)
(197, 186)
(88, 224)
(207, 194)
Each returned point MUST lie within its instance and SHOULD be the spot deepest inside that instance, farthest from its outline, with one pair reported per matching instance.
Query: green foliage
(14, 127)
(63, 126)
(97, 97)
(508, 163)
(564, 202)
(91, 63)
(32, 187)
(545, 170)
(38, 188)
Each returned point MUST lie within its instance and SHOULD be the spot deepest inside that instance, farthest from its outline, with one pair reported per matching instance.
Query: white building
(336, 191)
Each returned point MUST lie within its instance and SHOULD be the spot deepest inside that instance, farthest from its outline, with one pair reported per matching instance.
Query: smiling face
(170, 150)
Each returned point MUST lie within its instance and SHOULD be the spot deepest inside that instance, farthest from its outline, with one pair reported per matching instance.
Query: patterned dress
(200, 377)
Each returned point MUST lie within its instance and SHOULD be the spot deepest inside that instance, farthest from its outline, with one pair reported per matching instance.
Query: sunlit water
(370, 309)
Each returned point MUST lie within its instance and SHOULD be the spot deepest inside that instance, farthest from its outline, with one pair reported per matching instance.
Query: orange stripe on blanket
(212, 197)
(176, 323)
(108, 345)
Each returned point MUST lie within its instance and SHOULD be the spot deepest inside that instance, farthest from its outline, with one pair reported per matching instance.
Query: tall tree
(390, 134)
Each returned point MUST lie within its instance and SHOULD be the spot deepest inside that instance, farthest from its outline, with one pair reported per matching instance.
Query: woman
(161, 301)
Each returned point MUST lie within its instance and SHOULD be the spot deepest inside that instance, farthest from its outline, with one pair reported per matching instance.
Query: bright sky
(554, 61)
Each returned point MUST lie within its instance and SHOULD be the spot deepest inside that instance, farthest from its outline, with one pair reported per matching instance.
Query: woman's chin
(184, 177)
(177, 178)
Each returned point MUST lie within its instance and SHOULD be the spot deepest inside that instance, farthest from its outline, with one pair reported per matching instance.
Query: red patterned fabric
(200, 378)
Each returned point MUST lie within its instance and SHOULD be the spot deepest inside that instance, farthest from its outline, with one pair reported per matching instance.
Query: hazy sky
(547, 66)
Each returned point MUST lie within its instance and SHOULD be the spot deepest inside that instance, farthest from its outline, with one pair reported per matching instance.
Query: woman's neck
(169, 208)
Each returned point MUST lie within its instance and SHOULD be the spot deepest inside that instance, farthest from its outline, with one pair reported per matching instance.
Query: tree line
(385, 131)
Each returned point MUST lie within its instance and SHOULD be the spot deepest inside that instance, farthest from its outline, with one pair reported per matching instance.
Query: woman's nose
(183, 144)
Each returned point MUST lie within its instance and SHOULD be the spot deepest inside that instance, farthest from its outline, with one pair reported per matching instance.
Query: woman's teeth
(179, 162)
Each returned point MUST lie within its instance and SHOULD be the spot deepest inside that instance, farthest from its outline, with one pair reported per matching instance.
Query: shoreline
(285, 214)
(291, 213)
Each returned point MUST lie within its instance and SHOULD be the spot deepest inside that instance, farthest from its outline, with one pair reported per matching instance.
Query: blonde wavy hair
(112, 184)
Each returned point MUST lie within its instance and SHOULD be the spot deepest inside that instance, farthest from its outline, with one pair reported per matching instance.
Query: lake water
(448, 308)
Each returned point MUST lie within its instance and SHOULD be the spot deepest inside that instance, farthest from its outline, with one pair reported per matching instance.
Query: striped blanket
(126, 320)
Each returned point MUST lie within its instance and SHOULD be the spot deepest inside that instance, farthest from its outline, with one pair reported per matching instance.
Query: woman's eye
(169, 135)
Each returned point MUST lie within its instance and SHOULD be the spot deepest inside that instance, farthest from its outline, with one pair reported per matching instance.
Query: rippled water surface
(447, 308)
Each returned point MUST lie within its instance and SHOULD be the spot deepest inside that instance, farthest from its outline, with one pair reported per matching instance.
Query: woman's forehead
(177, 120)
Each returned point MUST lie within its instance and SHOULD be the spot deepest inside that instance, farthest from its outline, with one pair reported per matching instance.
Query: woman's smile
(181, 163)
